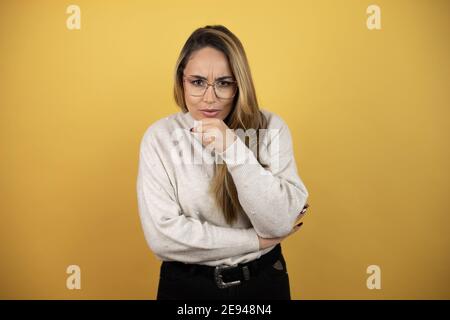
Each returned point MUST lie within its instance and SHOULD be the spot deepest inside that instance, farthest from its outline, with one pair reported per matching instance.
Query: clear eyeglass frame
(212, 85)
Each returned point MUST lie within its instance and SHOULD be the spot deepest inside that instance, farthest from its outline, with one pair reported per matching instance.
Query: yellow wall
(368, 110)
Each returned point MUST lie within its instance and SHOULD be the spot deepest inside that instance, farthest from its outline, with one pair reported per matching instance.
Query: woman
(216, 222)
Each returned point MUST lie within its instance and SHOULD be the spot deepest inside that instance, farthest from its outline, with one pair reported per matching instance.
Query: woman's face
(210, 64)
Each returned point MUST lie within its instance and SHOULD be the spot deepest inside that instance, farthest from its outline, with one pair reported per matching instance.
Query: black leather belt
(226, 276)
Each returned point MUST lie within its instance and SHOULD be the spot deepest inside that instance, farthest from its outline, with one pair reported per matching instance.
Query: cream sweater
(180, 219)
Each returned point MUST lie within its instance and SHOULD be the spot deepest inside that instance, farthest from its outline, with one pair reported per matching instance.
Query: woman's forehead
(206, 61)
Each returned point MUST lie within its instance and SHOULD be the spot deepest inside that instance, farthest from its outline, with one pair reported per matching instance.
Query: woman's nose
(210, 95)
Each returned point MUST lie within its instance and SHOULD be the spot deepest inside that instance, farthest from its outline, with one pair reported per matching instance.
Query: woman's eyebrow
(204, 78)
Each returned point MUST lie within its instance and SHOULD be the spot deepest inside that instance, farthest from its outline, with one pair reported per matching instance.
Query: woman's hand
(215, 134)
(268, 242)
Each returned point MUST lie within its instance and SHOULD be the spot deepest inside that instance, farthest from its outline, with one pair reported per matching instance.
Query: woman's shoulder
(163, 128)
(274, 121)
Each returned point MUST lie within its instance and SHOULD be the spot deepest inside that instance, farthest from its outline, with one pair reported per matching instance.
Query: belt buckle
(219, 280)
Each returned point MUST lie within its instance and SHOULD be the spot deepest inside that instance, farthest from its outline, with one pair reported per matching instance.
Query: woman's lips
(210, 114)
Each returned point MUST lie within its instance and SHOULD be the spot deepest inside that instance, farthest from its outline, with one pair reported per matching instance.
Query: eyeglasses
(223, 89)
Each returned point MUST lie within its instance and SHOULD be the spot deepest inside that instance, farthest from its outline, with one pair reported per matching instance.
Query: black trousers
(261, 279)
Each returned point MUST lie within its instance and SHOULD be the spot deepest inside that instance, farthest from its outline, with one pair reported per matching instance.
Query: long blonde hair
(245, 113)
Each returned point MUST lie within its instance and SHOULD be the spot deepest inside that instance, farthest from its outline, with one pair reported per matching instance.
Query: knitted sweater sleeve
(272, 197)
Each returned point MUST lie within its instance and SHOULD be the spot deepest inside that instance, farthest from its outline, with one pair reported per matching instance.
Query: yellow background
(368, 110)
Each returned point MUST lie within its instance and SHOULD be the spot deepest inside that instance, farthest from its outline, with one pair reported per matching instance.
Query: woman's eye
(197, 82)
(224, 83)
